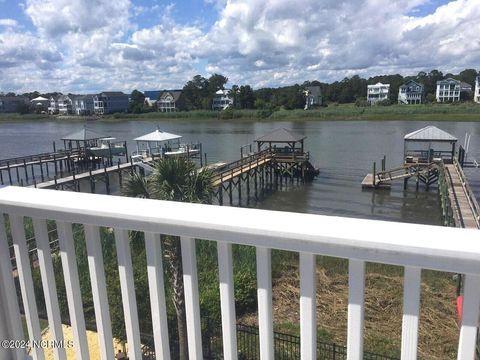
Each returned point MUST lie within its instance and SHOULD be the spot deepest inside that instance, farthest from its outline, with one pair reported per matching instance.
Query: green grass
(43, 325)
(467, 111)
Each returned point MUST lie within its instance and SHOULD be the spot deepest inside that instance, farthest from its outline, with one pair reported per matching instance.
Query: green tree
(174, 179)
(194, 92)
(137, 102)
(246, 97)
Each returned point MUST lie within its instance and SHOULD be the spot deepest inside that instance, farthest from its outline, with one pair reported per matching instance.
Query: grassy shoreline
(341, 112)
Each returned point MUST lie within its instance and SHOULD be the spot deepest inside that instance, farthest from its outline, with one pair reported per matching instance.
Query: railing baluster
(26, 283)
(72, 288)
(227, 300)
(411, 312)
(153, 247)
(264, 290)
(48, 283)
(356, 288)
(99, 291)
(468, 331)
(192, 305)
(308, 307)
(12, 321)
(127, 285)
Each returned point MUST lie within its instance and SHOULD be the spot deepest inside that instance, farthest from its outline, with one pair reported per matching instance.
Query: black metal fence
(286, 346)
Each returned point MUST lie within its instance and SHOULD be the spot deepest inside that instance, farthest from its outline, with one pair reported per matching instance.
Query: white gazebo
(155, 140)
(428, 143)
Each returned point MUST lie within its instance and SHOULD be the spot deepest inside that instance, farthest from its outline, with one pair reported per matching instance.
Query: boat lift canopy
(86, 136)
(430, 142)
(156, 137)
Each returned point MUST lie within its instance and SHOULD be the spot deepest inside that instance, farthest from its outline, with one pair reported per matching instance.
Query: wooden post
(9, 173)
(374, 174)
(41, 169)
(239, 184)
(61, 168)
(92, 184)
(18, 175)
(25, 169)
(206, 163)
(68, 162)
(107, 180)
(126, 152)
(48, 171)
(74, 181)
(220, 194)
(110, 153)
(1, 177)
(248, 185)
(120, 180)
(384, 162)
(54, 147)
(200, 153)
(55, 181)
(230, 191)
(255, 184)
(32, 171)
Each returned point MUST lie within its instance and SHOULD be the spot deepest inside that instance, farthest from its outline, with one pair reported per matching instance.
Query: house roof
(152, 94)
(412, 82)
(39, 98)
(157, 136)
(175, 94)
(430, 133)
(84, 135)
(281, 136)
(448, 81)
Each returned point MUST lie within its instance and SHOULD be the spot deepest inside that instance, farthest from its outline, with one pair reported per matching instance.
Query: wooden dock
(461, 197)
(367, 183)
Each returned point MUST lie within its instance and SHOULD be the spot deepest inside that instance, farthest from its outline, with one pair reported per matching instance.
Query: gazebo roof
(430, 133)
(281, 136)
(157, 136)
(84, 135)
(39, 98)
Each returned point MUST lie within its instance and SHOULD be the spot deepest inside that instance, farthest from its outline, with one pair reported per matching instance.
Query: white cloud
(8, 22)
(84, 45)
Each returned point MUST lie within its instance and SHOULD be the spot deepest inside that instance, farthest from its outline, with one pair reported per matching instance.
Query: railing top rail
(432, 247)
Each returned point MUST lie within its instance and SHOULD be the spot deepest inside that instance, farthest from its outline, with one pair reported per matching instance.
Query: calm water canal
(344, 151)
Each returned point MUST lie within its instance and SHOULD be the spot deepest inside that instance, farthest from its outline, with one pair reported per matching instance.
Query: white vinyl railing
(412, 246)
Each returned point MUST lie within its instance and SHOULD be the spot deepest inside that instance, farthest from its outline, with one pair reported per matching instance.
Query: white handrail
(413, 246)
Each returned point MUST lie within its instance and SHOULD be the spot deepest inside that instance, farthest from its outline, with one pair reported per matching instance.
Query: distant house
(411, 93)
(151, 96)
(313, 96)
(476, 96)
(377, 92)
(451, 90)
(11, 104)
(40, 102)
(83, 105)
(110, 102)
(65, 104)
(222, 100)
(168, 100)
(53, 107)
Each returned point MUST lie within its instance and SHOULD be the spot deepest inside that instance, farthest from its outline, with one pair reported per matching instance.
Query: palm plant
(174, 179)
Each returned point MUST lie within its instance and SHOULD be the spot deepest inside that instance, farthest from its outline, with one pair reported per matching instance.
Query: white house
(168, 100)
(450, 90)
(377, 92)
(53, 108)
(222, 100)
(313, 96)
(476, 96)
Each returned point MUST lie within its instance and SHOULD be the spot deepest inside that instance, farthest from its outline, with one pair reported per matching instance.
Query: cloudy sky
(91, 45)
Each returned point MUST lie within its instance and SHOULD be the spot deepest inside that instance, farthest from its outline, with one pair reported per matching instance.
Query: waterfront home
(53, 107)
(476, 96)
(11, 104)
(451, 90)
(40, 103)
(168, 100)
(411, 93)
(313, 96)
(110, 102)
(222, 100)
(65, 104)
(83, 105)
(151, 97)
(377, 92)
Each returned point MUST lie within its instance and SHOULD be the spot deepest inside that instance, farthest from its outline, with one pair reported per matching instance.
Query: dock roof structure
(281, 136)
(84, 134)
(157, 136)
(430, 133)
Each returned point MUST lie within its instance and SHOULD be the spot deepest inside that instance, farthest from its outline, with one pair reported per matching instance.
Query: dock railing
(472, 200)
(413, 246)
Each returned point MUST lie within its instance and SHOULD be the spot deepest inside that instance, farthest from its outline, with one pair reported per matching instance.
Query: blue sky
(90, 45)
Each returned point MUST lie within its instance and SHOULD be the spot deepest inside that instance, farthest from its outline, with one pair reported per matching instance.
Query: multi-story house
(476, 96)
(65, 104)
(313, 96)
(377, 92)
(222, 100)
(168, 100)
(110, 102)
(11, 104)
(411, 93)
(53, 107)
(83, 105)
(451, 90)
